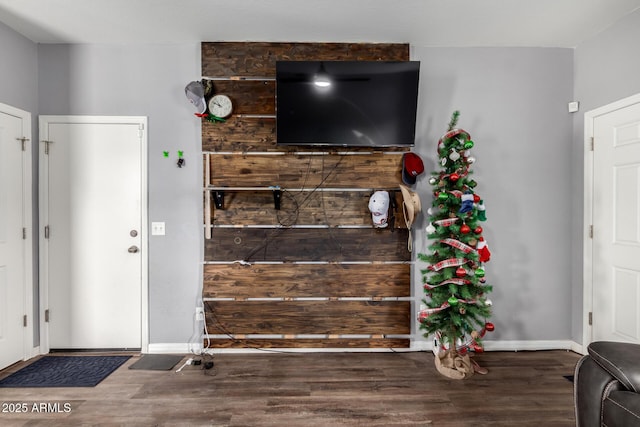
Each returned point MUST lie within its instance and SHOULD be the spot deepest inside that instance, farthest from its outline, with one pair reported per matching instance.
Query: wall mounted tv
(346, 103)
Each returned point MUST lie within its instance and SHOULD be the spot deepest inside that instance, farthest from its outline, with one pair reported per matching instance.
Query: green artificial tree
(456, 307)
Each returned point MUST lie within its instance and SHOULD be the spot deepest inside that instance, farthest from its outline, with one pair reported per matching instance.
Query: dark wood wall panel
(331, 225)
(296, 171)
(258, 59)
(305, 280)
(240, 134)
(247, 134)
(300, 244)
(249, 96)
(309, 317)
(344, 208)
(308, 343)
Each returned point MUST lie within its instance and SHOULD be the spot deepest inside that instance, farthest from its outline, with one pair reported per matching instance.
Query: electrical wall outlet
(199, 313)
(157, 229)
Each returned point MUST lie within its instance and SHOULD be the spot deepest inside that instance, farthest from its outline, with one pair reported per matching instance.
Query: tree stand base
(454, 365)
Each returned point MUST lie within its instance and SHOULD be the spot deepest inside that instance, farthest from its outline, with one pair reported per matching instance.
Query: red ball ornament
(465, 229)
(461, 272)
(477, 348)
(477, 230)
(489, 326)
(454, 177)
(476, 198)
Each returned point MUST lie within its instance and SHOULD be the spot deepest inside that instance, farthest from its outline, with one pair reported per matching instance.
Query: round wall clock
(220, 106)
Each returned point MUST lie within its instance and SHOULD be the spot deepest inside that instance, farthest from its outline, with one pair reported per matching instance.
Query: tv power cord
(196, 362)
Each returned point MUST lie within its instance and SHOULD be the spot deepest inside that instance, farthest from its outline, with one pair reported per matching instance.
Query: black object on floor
(157, 362)
(569, 377)
(65, 371)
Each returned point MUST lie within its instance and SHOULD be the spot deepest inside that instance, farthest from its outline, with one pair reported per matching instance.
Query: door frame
(587, 293)
(44, 220)
(29, 349)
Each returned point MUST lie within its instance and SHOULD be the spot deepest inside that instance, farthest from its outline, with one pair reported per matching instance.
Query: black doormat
(65, 371)
(156, 362)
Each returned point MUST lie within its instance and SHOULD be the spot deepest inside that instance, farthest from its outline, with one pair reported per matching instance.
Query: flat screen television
(346, 103)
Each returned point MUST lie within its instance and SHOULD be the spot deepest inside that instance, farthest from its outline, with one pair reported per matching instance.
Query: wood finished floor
(316, 389)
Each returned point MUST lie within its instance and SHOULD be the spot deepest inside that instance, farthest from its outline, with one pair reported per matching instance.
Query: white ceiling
(542, 23)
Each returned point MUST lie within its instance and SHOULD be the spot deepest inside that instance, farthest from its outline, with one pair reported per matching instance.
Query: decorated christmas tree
(456, 308)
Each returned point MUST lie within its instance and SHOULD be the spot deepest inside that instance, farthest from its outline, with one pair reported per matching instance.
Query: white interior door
(616, 220)
(95, 234)
(15, 235)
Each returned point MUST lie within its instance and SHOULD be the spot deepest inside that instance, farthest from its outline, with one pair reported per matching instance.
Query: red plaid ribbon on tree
(455, 132)
(451, 134)
(446, 222)
(423, 314)
(451, 262)
(458, 245)
(459, 282)
(460, 174)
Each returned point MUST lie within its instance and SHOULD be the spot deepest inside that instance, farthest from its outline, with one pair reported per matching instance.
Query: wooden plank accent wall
(307, 171)
(315, 273)
(306, 280)
(330, 208)
(310, 317)
(306, 244)
(258, 59)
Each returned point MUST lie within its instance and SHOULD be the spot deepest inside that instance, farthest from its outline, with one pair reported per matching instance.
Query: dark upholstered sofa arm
(621, 360)
(621, 408)
(607, 385)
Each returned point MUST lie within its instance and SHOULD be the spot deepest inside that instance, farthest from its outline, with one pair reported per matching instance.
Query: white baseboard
(35, 351)
(174, 348)
(578, 348)
(512, 345)
(186, 348)
(529, 345)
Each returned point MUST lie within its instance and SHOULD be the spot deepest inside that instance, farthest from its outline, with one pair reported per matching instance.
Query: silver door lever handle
(133, 249)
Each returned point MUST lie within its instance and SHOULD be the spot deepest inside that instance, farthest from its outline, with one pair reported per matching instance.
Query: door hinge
(46, 231)
(590, 318)
(24, 320)
(592, 143)
(24, 142)
(46, 146)
(140, 130)
(24, 233)
(46, 315)
(591, 231)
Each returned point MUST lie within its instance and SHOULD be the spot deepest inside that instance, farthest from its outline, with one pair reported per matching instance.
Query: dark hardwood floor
(315, 389)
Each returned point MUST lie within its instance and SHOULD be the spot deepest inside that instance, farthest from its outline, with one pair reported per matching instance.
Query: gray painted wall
(18, 71)
(513, 102)
(607, 68)
(146, 80)
(19, 89)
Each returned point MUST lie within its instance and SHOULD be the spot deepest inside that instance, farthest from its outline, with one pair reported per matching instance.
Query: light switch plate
(157, 229)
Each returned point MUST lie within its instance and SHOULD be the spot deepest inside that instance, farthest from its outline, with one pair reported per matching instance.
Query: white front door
(95, 232)
(15, 236)
(616, 220)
